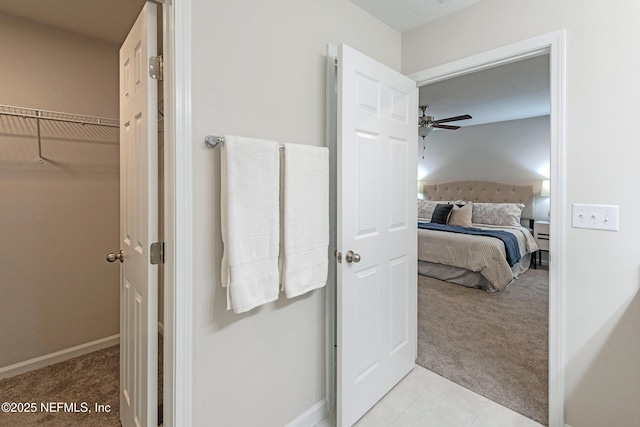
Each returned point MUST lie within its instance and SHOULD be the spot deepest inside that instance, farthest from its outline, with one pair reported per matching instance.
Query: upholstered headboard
(484, 192)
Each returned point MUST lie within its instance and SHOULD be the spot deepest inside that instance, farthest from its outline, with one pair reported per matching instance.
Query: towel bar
(212, 141)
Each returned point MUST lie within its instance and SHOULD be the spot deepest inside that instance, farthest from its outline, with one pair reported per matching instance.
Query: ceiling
(509, 92)
(405, 15)
(107, 20)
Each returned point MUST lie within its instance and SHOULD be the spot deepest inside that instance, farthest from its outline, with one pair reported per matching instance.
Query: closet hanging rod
(212, 141)
(31, 113)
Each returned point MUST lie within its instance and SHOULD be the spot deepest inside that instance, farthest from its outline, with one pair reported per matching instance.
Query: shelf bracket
(39, 159)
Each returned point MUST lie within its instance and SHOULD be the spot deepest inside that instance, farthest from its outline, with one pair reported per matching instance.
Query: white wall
(59, 219)
(513, 152)
(259, 71)
(603, 268)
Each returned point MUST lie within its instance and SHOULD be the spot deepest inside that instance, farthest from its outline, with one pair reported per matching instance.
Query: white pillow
(497, 213)
(426, 208)
(461, 216)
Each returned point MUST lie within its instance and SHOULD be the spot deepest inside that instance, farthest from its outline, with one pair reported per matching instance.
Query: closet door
(138, 224)
(377, 231)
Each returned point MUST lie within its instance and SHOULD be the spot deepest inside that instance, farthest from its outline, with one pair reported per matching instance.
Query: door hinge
(156, 253)
(156, 67)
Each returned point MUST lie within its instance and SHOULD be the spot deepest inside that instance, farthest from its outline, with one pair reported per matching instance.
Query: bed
(493, 256)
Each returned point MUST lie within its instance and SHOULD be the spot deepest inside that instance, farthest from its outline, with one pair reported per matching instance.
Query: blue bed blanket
(510, 241)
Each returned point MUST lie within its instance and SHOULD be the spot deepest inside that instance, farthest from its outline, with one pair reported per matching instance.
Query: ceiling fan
(427, 123)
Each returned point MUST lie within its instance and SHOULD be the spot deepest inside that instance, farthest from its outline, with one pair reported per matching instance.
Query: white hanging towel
(250, 220)
(306, 218)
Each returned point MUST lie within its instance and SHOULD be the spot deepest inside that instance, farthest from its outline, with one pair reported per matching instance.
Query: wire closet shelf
(32, 113)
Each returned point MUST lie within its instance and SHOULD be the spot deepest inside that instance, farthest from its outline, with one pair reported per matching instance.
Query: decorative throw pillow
(497, 213)
(461, 216)
(425, 209)
(441, 213)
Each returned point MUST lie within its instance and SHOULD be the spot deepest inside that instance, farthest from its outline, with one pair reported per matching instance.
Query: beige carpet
(92, 378)
(493, 344)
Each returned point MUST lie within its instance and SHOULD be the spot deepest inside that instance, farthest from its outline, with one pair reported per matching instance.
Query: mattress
(474, 261)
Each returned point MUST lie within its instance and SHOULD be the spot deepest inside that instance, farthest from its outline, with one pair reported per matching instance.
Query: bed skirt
(468, 278)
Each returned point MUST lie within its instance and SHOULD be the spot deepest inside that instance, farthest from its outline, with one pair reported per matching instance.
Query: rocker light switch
(597, 217)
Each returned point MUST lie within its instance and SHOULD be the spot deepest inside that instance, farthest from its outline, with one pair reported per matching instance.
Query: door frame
(554, 45)
(178, 207)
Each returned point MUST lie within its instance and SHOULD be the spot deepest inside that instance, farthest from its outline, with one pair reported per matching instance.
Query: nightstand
(541, 234)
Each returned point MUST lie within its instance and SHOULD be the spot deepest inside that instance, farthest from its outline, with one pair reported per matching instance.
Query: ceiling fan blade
(436, 125)
(453, 119)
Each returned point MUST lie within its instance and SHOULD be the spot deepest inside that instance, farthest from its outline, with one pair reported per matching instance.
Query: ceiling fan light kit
(424, 129)
(427, 123)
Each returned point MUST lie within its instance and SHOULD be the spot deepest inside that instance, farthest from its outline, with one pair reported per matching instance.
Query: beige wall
(58, 220)
(602, 151)
(259, 71)
(515, 152)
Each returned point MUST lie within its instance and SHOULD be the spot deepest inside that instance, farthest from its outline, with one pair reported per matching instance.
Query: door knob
(112, 257)
(350, 257)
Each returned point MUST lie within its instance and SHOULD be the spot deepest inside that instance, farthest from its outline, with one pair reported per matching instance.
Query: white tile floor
(425, 399)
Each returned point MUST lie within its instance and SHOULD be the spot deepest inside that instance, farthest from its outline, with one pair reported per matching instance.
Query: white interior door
(138, 224)
(376, 203)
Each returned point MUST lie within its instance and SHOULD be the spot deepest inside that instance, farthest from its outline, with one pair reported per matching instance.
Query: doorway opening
(551, 44)
(476, 327)
(62, 296)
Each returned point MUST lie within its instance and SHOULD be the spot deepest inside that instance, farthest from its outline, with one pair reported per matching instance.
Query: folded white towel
(306, 218)
(250, 221)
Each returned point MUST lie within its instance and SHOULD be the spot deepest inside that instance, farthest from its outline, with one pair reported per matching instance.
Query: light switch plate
(597, 217)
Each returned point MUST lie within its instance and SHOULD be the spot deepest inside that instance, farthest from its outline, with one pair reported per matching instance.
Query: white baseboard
(311, 416)
(58, 356)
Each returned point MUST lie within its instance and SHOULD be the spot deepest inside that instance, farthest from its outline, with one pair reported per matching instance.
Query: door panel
(138, 224)
(368, 202)
(377, 165)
